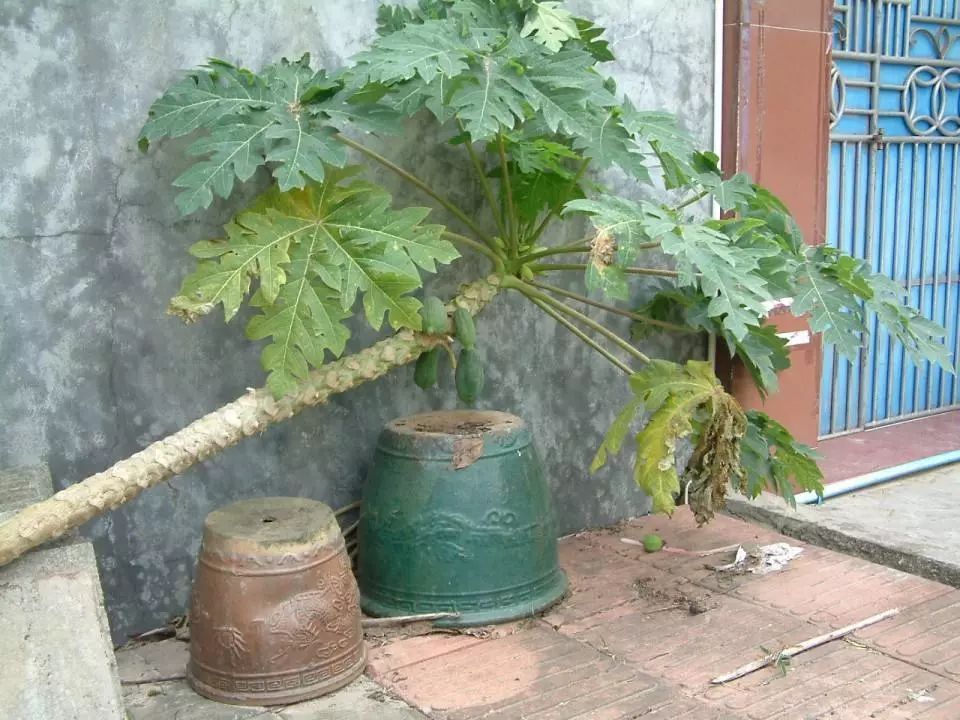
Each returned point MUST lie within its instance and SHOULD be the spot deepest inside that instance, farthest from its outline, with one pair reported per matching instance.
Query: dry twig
(404, 619)
(789, 652)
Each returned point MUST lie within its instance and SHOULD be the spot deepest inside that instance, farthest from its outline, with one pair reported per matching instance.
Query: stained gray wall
(92, 249)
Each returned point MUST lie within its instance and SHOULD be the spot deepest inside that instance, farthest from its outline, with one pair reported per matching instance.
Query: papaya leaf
(569, 69)
(565, 111)
(234, 150)
(833, 310)
(771, 458)
(685, 403)
(391, 18)
(202, 99)
(312, 252)
(922, 338)
(673, 394)
(300, 150)
(538, 155)
(370, 248)
(428, 49)
(304, 322)
(372, 117)
(491, 95)
(616, 434)
(706, 258)
(550, 25)
(592, 41)
(762, 351)
(725, 273)
(715, 460)
(287, 117)
(672, 145)
(225, 277)
(656, 466)
(631, 223)
(764, 354)
(541, 191)
(729, 194)
(611, 280)
(608, 143)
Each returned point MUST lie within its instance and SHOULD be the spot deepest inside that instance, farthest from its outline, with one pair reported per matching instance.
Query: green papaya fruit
(434, 316)
(652, 543)
(427, 369)
(469, 375)
(465, 329)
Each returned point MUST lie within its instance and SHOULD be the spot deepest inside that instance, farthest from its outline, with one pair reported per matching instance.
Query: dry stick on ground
(157, 679)
(347, 508)
(803, 647)
(249, 415)
(404, 619)
(681, 551)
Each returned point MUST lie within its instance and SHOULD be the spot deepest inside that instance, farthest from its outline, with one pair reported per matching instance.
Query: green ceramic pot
(457, 517)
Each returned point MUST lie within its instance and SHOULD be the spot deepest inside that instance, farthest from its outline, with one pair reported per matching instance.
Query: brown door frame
(776, 66)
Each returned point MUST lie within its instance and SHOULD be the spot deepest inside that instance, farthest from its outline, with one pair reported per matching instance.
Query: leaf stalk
(533, 293)
(639, 317)
(587, 340)
(416, 182)
(655, 272)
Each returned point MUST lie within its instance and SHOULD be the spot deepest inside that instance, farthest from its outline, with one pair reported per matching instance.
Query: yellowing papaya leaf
(616, 434)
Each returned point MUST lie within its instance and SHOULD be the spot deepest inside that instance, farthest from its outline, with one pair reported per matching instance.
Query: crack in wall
(54, 236)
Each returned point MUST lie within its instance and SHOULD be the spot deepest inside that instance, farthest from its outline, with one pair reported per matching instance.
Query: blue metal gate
(893, 195)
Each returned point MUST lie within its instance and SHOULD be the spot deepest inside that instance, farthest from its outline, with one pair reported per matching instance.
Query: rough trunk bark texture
(248, 415)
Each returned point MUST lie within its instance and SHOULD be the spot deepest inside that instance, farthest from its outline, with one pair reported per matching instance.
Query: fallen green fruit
(652, 543)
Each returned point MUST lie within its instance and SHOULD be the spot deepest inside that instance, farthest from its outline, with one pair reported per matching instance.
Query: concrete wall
(92, 249)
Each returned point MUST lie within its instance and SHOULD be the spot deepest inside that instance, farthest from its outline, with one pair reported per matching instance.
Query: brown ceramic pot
(275, 617)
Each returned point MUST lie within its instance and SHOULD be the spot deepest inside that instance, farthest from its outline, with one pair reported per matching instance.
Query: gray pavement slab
(57, 656)
(23, 486)
(151, 694)
(912, 524)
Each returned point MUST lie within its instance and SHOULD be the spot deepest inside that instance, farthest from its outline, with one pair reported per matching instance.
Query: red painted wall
(776, 128)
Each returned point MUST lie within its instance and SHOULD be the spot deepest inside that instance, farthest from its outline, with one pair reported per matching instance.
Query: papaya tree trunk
(248, 415)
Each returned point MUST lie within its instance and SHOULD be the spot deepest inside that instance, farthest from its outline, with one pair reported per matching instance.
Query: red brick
(533, 673)
(833, 589)
(837, 681)
(927, 634)
(620, 656)
(407, 651)
(690, 649)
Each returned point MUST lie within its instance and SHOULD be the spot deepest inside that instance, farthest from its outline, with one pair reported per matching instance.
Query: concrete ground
(641, 635)
(911, 524)
(154, 689)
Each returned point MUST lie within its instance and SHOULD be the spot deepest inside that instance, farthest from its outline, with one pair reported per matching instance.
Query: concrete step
(55, 642)
(909, 524)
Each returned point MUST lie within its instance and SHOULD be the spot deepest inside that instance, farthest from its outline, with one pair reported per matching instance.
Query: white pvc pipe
(880, 476)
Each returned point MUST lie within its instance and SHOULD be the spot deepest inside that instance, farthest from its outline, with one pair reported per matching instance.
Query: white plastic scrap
(765, 559)
(737, 563)
(775, 557)
(921, 696)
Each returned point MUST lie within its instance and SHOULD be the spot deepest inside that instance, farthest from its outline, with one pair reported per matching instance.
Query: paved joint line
(825, 626)
(917, 666)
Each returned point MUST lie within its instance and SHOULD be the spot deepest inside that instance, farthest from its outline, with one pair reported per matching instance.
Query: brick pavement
(625, 644)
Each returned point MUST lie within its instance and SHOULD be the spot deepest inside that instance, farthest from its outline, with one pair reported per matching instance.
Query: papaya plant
(517, 87)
